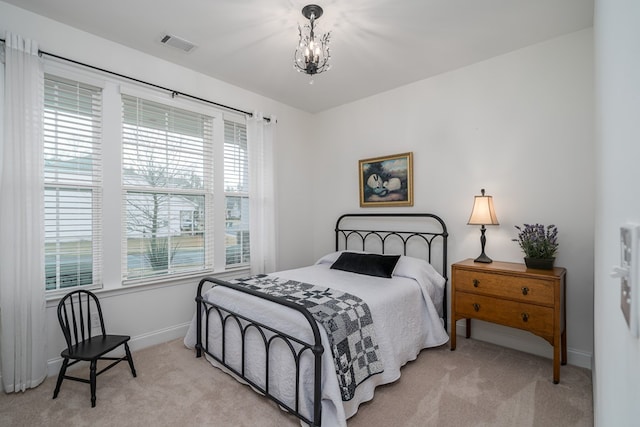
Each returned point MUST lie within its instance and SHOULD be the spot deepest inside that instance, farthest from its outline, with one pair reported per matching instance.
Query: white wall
(617, 354)
(155, 314)
(519, 125)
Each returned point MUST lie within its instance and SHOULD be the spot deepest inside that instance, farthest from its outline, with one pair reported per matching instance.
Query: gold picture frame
(386, 181)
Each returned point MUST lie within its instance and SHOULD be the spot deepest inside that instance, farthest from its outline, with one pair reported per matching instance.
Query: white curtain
(260, 140)
(22, 291)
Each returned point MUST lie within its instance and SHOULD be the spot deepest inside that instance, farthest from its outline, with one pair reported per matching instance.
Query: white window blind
(167, 189)
(236, 187)
(73, 183)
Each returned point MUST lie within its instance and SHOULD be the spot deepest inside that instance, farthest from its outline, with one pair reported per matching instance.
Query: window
(73, 190)
(167, 189)
(129, 184)
(236, 188)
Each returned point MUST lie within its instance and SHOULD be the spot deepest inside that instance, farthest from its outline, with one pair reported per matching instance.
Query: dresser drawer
(518, 288)
(534, 318)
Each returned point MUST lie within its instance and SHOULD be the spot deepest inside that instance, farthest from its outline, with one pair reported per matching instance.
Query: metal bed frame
(298, 347)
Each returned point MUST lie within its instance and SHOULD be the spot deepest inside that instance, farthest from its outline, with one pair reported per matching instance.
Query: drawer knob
(476, 282)
(525, 290)
(476, 307)
(525, 317)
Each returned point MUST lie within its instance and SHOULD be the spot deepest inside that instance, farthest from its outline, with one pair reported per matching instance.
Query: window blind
(73, 183)
(236, 185)
(167, 189)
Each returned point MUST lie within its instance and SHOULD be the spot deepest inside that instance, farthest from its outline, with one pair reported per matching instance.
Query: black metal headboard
(399, 233)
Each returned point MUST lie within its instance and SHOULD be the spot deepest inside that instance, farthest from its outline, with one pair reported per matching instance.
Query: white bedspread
(404, 317)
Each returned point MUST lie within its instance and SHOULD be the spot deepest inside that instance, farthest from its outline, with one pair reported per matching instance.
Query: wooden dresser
(509, 294)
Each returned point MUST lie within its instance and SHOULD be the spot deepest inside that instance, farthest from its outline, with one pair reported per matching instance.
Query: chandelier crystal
(312, 54)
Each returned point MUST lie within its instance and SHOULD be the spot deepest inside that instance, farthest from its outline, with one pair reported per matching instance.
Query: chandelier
(312, 54)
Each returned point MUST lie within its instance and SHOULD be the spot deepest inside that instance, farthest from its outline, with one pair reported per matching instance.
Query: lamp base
(483, 258)
(483, 240)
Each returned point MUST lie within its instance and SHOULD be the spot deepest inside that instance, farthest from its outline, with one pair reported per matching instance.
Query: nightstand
(509, 294)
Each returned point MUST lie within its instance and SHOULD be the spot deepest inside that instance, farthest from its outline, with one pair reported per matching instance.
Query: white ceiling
(376, 45)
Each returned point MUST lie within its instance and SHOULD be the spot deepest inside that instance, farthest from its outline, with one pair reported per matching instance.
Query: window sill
(54, 297)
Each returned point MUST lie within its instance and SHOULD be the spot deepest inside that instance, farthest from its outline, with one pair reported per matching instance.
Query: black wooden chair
(79, 312)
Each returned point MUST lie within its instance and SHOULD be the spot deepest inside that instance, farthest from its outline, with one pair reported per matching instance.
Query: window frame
(171, 191)
(230, 118)
(113, 218)
(94, 185)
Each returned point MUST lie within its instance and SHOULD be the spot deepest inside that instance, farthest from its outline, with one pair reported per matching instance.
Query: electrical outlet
(95, 320)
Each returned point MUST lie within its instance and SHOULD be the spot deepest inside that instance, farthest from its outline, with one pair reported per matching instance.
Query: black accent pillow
(369, 264)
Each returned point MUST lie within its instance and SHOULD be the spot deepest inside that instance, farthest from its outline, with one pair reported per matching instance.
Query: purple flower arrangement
(538, 241)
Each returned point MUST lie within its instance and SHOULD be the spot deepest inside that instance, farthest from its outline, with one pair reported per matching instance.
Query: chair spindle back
(75, 315)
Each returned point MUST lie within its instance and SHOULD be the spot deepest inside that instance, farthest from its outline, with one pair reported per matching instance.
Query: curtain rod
(174, 93)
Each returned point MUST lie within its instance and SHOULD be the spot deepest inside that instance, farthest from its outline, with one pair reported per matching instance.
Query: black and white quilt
(346, 319)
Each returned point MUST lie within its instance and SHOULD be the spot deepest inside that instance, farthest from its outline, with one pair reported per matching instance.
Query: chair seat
(94, 347)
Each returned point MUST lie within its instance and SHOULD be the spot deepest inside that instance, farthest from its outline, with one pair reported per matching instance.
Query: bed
(268, 332)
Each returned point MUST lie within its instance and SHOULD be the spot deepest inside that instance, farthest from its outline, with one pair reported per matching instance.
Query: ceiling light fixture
(312, 54)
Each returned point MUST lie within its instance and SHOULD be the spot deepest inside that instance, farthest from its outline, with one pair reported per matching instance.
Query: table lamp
(483, 214)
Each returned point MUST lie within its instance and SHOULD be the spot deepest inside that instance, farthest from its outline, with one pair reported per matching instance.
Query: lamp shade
(483, 212)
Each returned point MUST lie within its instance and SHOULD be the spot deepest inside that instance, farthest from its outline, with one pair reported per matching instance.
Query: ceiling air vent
(177, 42)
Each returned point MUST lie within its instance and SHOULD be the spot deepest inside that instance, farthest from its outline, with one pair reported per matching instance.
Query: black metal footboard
(269, 335)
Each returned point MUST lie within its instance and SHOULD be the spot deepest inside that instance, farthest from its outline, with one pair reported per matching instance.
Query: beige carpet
(479, 384)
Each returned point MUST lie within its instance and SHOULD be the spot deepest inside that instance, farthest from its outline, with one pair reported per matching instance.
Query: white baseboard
(136, 343)
(483, 331)
(158, 337)
(520, 340)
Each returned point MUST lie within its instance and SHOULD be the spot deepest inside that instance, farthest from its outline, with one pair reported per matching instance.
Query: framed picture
(387, 181)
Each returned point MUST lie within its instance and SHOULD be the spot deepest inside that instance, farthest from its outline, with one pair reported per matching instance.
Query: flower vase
(539, 263)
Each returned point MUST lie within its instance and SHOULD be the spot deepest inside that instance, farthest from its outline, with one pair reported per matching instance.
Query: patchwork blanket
(346, 319)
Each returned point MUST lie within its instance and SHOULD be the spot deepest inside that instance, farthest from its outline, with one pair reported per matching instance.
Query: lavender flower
(538, 241)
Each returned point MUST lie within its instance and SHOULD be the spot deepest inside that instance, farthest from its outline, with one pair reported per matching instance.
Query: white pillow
(332, 257)
(430, 281)
(413, 268)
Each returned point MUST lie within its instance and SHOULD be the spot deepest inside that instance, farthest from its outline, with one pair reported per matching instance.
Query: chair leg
(130, 360)
(63, 371)
(92, 381)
